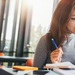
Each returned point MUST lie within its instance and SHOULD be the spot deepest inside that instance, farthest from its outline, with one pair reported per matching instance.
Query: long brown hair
(58, 23)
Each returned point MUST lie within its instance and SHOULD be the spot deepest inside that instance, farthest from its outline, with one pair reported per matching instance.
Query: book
(64, 72)
(25, 68)
(60, 65)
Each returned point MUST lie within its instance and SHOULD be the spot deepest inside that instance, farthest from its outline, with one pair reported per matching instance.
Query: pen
(54, 44)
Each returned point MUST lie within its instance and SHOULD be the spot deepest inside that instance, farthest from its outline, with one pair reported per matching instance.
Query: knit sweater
(42, 55)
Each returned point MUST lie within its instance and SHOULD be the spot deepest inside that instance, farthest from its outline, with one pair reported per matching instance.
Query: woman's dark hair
(58, 23)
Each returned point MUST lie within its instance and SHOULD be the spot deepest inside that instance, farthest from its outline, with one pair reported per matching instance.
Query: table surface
(10, 71)
(7, 71)
(13, 59)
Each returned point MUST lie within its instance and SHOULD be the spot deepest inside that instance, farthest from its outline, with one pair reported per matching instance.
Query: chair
(1, 54)
(29, 62)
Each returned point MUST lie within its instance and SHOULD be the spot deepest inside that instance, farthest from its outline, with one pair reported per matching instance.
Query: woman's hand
(56, 55)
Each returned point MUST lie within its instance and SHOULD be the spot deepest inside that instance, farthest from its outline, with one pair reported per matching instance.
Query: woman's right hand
(56, 55)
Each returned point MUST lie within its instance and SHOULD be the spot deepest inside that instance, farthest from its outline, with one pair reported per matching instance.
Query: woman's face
(71, 23)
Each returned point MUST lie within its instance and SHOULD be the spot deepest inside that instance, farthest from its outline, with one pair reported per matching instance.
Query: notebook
(64, 72)
(24, 68)
(60, 65)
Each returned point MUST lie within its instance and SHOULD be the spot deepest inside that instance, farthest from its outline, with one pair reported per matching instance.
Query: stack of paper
(60, 65)
(64, 72)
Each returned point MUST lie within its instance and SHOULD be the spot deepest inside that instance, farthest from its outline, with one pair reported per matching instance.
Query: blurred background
(22, 23)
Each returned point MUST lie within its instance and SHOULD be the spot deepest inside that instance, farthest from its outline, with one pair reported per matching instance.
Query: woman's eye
(73, 18)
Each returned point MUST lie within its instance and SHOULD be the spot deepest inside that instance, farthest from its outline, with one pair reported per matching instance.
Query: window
(10, 23)
(9, 20)
(40, 23)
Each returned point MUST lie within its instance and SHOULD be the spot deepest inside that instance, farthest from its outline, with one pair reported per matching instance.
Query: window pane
(17, 26)
(10, 23)
(41, 18)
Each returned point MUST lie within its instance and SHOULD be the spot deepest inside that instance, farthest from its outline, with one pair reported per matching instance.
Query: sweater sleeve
(40, 53)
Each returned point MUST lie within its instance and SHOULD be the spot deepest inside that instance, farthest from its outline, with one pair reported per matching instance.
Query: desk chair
(29, 62)
(1, 54)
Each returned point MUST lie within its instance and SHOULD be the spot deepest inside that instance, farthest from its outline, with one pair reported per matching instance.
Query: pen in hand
(54, 44)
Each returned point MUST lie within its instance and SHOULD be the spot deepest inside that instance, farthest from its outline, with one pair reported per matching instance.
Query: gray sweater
(42, 55)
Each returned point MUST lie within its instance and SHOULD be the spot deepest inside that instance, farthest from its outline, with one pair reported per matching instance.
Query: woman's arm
(40, 53)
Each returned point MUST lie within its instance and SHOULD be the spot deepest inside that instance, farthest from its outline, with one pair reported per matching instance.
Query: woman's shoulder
(44, 37)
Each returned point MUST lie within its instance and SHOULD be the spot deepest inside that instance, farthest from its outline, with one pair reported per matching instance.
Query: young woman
(62, 30)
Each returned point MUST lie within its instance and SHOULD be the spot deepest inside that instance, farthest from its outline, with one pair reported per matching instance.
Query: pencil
(54, 44)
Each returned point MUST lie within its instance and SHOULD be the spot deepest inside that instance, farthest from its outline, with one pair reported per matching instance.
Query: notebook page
(61, 64)
(64, 72)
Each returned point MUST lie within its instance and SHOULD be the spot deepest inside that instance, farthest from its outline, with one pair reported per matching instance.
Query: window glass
(40, 23)
(10, 23)
(17, 26)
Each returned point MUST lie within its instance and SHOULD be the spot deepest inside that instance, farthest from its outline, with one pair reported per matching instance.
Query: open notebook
(60, 65)
(64, 72)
